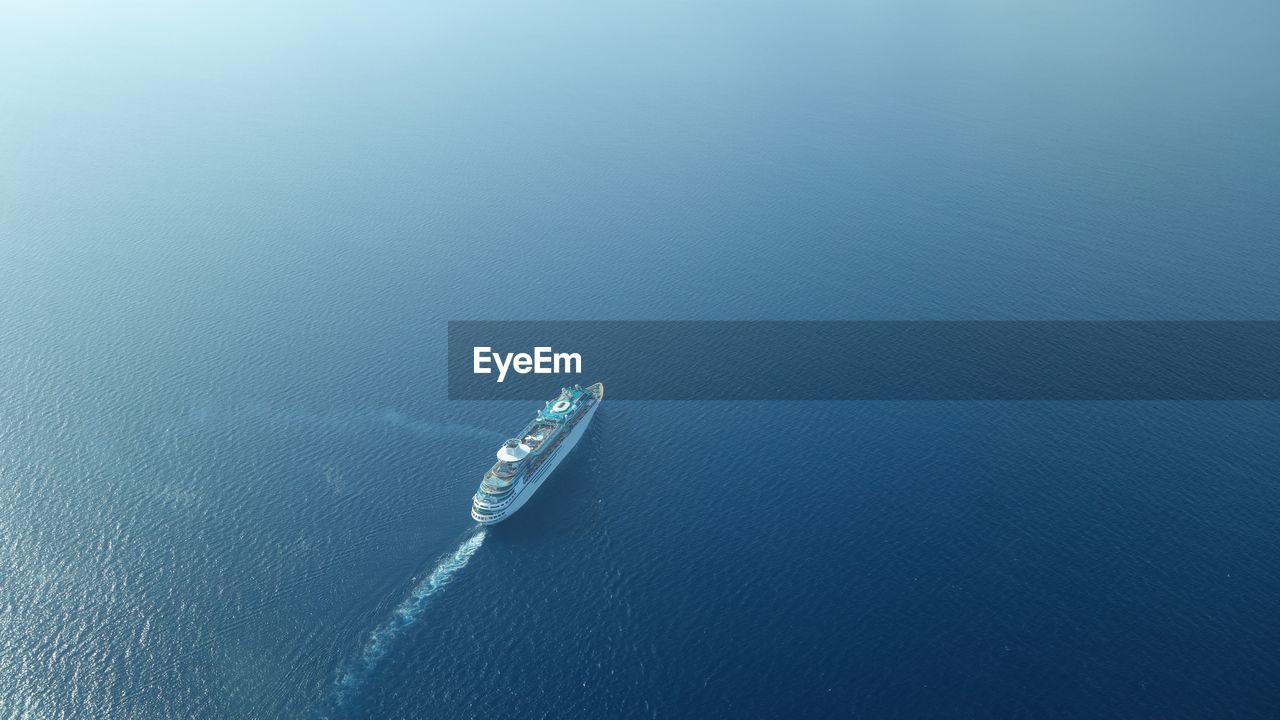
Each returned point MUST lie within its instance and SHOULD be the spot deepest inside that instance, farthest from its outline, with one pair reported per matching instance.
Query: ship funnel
(512, 451)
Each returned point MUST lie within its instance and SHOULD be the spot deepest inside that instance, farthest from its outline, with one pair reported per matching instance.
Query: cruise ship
(525, 462)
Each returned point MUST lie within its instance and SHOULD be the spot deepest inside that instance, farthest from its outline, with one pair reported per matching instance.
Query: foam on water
(405, 616)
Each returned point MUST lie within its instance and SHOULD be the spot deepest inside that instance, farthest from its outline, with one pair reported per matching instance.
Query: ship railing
(497, 491)
(504, 470)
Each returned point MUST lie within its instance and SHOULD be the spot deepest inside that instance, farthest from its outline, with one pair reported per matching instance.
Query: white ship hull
(521, 494)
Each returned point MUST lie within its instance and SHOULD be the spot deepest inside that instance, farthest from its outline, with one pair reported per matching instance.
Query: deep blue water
(231, 485)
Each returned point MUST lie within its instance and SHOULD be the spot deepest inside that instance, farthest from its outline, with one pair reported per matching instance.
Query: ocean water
(231, 484)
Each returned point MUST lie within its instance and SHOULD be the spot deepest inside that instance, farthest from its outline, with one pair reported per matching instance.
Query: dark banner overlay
(869, 360)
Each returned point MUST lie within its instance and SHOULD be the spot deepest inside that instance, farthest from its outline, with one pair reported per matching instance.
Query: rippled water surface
(231, 485)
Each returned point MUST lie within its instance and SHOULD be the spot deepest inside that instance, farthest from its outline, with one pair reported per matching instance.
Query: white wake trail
(405, 616)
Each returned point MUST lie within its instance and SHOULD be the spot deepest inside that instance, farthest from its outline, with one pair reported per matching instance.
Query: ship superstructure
(526, 461)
